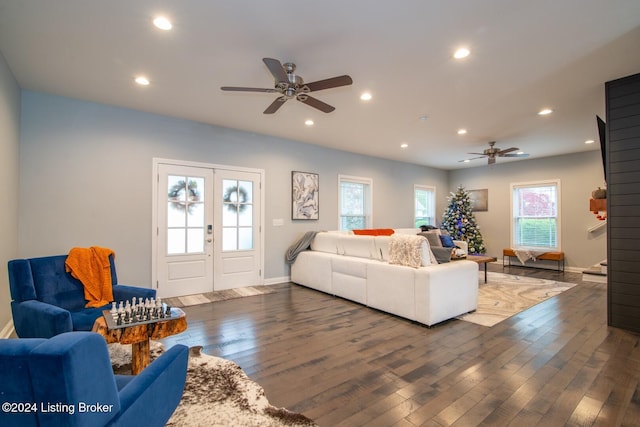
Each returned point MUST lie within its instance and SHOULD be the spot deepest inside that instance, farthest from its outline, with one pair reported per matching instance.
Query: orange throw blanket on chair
(91, 266)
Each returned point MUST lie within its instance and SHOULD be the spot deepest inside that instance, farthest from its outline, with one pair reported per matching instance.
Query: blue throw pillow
(447, 241)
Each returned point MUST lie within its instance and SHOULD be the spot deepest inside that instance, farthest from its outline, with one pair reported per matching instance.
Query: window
(536, 213)
(354, 195)
(424, 205)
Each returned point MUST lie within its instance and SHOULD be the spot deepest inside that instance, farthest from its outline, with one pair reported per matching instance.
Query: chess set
(137, 312)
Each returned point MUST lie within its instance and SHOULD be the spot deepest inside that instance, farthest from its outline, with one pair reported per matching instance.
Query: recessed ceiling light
(466, 160)
(162, 23)
(520, 152)
(142, 81)
(462, 131)
(589, 141)
(423, 118)
(545, 112)
(366, 96)
(404, 145)
(308, 122)
(461, 53)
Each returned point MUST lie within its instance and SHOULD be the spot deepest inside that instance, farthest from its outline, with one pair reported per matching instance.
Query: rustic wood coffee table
(138, 335)
(481, 259)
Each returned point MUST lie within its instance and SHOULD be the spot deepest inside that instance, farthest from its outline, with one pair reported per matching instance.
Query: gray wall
(86, 179)
(9, 155)
(579, 174)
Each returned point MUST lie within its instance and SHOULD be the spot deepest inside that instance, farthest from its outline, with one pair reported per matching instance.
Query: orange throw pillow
(374, 232)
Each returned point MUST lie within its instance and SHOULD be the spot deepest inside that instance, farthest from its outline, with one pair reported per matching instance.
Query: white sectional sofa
(357, 268)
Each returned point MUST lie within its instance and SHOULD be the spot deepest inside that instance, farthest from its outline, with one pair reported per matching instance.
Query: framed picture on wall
(479, 200)
(305, 195)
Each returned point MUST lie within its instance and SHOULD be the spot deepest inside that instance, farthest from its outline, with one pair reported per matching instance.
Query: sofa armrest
(36, 319)
(125, 292)
(152, 396)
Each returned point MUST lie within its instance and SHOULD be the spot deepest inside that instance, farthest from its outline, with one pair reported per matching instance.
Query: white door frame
(154, 203)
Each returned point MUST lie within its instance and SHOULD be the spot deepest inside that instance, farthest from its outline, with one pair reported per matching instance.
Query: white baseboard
(566, 268)
(277, 280)
(8, 330)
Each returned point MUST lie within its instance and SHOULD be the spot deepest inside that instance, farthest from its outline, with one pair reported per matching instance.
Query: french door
(237, 220)
(208, 228)
(185, 233)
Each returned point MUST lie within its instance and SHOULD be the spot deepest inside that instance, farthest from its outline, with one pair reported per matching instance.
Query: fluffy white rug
(505, 295)
(217, 393)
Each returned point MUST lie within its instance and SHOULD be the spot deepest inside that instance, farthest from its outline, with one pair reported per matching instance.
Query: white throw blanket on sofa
(412, 251)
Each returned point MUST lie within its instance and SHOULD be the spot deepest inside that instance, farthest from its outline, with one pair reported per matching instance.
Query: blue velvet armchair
(47, 301)
(68, 380)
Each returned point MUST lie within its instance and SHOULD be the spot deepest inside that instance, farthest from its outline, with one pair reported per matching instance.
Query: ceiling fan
(492, 152)
(290, 85)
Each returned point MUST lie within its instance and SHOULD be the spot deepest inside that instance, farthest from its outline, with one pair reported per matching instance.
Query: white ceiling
(525, 55)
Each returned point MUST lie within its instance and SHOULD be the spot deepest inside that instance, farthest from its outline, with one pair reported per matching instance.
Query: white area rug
(505, 295)
(217, 393)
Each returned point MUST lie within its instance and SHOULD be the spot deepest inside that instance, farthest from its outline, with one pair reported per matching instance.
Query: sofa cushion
(325, 242)
(350, 266)
(357, 246)
(433, 236)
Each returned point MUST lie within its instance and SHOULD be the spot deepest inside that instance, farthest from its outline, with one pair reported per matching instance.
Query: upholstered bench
(547, 256)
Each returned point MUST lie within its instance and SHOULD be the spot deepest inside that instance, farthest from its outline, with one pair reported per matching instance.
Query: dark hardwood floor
(343, 364)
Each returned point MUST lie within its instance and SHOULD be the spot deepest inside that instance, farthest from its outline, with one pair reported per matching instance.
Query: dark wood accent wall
(623, 202)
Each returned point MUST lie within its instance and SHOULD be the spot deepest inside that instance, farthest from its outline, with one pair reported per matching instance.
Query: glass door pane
(185, 215)
(237, 215)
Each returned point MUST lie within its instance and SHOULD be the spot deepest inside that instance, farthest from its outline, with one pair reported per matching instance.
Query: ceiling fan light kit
(289, 86)
(493, 152)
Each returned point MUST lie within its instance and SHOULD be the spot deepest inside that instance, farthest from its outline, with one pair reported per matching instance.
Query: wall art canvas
(479, 200)
(305, 195)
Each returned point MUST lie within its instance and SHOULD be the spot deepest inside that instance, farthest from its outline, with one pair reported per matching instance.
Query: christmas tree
(459, 221)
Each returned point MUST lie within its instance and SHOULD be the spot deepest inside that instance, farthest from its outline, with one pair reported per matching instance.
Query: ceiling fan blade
(247, 89)
(507, 150)
(468, 160)
(516, 155)
(275, 105)
(315, 103)
(276, 69)
(329, 83)
(479, 154)
(492, 160)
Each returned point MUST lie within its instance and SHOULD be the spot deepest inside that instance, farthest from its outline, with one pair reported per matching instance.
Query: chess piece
(114, 310)
(168, 311)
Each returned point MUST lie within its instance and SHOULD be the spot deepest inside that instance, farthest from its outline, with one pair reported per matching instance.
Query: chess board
(169, 314)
